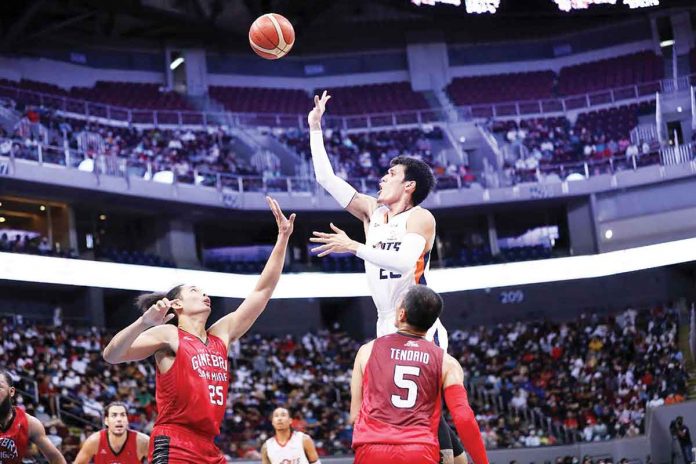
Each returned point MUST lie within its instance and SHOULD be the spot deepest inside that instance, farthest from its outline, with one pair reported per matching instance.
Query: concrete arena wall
(67, 75)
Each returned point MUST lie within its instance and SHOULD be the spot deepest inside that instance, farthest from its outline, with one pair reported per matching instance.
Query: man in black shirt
(681, 432)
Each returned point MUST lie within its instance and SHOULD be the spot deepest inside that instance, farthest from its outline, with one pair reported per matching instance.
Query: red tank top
(401, 391)
(127, 455)
(15, 440)
(193, 392)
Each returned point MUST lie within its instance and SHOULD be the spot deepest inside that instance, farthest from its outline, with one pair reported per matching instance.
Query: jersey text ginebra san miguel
(193, 392)
(15, 440)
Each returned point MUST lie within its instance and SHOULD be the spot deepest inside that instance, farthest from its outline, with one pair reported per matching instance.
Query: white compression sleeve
(338, 188)
(405, 258)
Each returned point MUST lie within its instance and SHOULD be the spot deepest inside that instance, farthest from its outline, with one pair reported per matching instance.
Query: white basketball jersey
(290, 453)
(388, 288)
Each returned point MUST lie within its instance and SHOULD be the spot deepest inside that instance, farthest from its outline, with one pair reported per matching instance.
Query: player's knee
(461, 459)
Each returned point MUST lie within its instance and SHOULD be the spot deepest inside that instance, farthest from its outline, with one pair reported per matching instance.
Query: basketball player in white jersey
(399, 233)
(399, 238)
(288, 446)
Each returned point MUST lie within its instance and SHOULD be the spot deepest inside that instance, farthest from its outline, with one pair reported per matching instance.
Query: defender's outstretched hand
(314, 116)
(285, 225)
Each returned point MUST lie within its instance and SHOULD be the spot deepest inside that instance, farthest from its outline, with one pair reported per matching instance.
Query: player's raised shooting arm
(236, 324)
(88, 450)
(37, 435)
(359, 205)
(462, 414)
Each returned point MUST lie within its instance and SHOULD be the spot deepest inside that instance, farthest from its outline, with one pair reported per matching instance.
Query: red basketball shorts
(174, 445)
(396, 454)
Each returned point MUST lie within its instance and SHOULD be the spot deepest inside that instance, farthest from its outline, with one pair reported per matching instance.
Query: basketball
(271, 36)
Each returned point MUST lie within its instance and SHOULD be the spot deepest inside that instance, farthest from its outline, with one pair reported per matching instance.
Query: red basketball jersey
(401, 391)
(193, 392)
(15, 440)
(127, 455)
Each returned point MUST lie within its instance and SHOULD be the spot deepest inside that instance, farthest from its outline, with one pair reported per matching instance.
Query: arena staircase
(685, 334)
(289, 159)
(251, 140)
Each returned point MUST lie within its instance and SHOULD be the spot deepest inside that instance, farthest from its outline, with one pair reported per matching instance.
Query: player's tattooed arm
(264, 455)
(310, 450)
(37, 435)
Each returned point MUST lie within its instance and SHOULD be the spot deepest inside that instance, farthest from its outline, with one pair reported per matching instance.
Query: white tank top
(388, 288)
(290, 453)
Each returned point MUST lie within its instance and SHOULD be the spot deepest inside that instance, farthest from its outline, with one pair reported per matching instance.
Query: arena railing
(575, 102)
(388, 119)
(238, 184)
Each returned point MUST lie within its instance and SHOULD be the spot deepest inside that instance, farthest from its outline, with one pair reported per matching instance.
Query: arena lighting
(472, 6)
(176, 63)
(43, 269)
(482, 6)
(2, 219)
(666, 43)
(641, 3)
(433, 2)
(568, 5)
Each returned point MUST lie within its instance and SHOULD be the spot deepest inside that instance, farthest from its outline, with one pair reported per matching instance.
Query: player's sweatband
(398, 257)
(338, 188)
(318, 461)
(465, 422)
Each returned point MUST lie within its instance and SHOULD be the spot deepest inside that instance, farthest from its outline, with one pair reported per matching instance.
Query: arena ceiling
(321, 25)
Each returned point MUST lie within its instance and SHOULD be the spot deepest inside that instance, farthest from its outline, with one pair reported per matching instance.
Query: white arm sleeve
(338, 188)
(405, 258)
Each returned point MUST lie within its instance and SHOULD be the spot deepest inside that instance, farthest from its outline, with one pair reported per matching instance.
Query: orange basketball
(271, 36)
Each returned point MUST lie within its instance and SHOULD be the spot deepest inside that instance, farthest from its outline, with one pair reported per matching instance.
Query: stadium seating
(501, 88)
(375, 98)
(262, 100)
(132, 257)
(553, 145)
(593, 377)
(623, 71)
(610, 73)
(131, 95)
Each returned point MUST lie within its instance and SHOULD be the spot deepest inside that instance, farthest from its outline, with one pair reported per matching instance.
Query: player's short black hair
(418, 171)
(144, 301)
(423, 306)
(8, 378)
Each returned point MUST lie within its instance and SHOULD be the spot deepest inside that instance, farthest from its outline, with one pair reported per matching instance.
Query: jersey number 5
(406, 384)
(216, 395)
